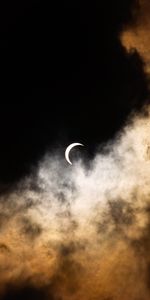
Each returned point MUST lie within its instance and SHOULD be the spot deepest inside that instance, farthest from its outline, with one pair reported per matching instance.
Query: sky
(74, 72)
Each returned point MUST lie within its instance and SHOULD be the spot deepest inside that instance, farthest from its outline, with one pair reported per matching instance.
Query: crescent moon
(68, 149)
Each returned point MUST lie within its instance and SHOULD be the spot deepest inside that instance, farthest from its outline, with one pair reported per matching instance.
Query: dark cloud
(67, 277)
(26, 292)
(72, 247)
(30, 228)
(121, 212)
(118, 216)
(4, 248)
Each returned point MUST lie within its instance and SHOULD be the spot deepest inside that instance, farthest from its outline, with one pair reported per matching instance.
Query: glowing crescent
(68, 151)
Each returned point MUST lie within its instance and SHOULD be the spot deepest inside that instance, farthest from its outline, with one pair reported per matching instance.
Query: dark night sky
(65, 77)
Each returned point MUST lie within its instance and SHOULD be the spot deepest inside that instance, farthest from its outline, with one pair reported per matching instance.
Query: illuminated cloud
(80, 232)
(137, 35)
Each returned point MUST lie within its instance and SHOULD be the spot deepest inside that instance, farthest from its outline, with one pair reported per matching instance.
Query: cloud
(81, 231)
(136, 36)
(25, 293)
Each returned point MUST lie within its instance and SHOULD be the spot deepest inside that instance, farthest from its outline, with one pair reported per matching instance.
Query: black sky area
(65, 77)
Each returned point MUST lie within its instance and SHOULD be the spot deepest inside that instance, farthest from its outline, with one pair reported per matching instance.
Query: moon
(68, 149)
